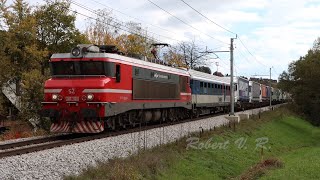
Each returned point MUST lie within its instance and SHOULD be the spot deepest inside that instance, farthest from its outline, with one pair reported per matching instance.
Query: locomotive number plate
(72, 98)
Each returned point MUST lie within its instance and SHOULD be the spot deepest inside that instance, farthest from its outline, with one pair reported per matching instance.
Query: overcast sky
(274, 31)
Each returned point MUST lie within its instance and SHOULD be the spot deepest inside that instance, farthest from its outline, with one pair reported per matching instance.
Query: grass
(289, 147)
(303, 163)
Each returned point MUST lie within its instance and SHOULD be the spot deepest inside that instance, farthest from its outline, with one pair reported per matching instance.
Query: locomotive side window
(109, 69)
(183, 84)
(118, 73)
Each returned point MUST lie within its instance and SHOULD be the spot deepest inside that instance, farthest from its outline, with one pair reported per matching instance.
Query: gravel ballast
(72, 159)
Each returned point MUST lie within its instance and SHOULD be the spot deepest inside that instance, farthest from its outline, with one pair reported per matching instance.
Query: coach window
(118, 75)
(201, 87)
(205, 88)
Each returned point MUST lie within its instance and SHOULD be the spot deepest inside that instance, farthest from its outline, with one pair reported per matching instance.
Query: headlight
(75, 51)
(55, 97)
(90, 97)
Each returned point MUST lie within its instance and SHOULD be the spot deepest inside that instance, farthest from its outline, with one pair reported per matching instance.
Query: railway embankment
(275, 145)
(72, 159)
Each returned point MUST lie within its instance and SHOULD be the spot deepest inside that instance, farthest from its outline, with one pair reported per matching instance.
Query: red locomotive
(94, 88)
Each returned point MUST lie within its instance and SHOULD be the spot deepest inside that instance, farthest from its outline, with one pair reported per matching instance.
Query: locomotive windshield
(63, 68)
(91, 68)
(80, 68)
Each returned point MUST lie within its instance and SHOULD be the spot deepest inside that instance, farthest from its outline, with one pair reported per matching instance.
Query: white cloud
(275, 31)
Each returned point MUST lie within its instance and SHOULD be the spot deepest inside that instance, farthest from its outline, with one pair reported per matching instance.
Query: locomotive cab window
(81, 68)
(92, 68)
(62, 68)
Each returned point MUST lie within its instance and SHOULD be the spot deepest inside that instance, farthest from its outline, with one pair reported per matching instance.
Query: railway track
(24, 147)
(29, 146)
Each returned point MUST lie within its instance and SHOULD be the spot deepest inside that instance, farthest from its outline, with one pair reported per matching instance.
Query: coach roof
(207, 77)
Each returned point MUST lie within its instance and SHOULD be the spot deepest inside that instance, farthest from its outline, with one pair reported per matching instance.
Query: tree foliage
(56, 29)
(30, 35)
(104, 29)
(204, 69)
(174, 58)
(302, 80)
(26, 42)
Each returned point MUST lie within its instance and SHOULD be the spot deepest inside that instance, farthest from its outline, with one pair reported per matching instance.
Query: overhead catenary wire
(180, 21)
(208, 18)
(152, 39)
(133, 17)
(222, 27)
(241, 53)
(186, 22)
(251, 53)
(121, 23)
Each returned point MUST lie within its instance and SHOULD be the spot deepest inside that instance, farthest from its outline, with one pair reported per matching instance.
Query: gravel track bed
(72, 159)
(29, 138)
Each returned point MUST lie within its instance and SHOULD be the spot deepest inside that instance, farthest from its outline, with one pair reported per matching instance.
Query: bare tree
(192, 54)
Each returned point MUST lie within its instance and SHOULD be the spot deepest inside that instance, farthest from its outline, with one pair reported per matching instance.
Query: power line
(121, 23)
(225, 30)
(133, 17)
(246, 59)
(208, 18)
(251, 53)
(152, 39)
(185, 22)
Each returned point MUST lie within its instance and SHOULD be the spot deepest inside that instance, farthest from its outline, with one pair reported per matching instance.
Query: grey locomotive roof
(125, 59)
(207, 77)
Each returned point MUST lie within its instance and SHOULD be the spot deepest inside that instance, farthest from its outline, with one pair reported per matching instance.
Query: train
(95, 88)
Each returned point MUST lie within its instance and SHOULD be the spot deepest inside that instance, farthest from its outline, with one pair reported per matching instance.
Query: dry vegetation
(19, 129)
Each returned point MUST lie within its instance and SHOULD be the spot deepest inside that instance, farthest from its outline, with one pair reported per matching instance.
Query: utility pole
(231, 73)
(231, 80)
(270, 90)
